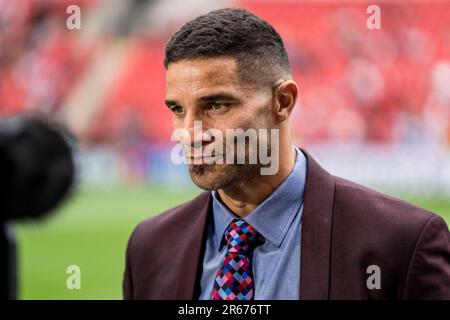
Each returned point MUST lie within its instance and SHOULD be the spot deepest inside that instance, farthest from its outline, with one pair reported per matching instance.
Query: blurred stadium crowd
(359, 87)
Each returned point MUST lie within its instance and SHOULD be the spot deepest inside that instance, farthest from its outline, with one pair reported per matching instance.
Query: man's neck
(244, 197)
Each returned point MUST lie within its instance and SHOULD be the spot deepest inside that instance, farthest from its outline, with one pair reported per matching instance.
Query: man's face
(211, 91)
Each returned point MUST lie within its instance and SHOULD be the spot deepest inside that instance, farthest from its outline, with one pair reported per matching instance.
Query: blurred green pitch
(91, 230)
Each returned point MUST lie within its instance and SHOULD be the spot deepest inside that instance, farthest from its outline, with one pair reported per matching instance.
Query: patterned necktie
(234, 280)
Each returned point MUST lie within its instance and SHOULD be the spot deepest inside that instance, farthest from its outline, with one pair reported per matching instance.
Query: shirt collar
(274, 216)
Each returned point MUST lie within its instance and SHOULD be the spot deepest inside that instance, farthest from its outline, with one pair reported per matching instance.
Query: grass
(91, 230)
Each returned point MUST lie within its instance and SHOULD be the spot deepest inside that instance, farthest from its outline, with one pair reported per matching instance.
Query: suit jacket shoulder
(409, 245)
(169, 223)
(166, 244)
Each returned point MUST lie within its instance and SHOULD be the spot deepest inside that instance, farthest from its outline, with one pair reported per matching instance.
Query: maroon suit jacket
(345, 228)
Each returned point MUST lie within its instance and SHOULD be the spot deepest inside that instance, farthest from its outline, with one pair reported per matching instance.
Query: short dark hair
(237, 33)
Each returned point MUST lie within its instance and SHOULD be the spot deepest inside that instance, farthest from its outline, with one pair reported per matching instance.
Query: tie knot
(240, 236)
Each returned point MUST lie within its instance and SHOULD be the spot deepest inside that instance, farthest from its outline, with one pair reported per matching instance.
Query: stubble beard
(221, 176)
(226, 175)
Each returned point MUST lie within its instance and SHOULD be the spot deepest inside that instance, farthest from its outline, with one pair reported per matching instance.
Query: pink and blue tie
(234, 279)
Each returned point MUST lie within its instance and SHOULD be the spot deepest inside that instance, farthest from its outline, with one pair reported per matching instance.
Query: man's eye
(177, 109)
(216, 106)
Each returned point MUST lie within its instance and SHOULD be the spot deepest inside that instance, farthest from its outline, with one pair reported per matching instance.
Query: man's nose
(196, 134)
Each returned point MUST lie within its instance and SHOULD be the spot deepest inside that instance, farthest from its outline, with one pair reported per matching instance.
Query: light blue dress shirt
(275, 263)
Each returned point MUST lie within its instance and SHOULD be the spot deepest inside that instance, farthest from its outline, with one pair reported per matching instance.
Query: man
(295, 233)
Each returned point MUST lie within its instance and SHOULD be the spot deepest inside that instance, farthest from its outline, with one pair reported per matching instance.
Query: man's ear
(285, 95)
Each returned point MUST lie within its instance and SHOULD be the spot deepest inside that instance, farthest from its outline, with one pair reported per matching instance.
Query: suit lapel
(190, 251)
(316, 232)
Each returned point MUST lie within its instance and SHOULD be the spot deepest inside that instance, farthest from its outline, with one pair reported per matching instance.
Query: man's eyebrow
(171, 103)
(208, 98)
(219, 96)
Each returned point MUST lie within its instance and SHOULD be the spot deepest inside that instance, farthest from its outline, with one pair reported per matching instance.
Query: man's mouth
(202, 159)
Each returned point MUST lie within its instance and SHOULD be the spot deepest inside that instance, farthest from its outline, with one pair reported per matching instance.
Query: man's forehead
(201, 73)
